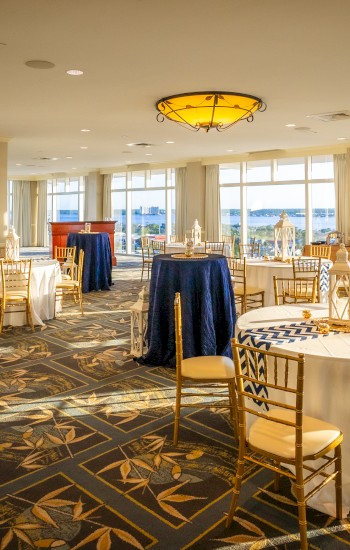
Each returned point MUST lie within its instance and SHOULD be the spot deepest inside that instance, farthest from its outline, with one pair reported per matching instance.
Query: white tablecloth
(178, 248)
(327, 378)
(260, 274)
(45, 274)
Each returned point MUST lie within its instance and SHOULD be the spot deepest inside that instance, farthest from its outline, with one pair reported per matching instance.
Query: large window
(253, 195)
(143, 203)
(65, 199)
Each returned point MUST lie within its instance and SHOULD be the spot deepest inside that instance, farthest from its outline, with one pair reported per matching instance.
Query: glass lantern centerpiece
(12, 245)
(284, 238)
(339, 289)
(196, 233)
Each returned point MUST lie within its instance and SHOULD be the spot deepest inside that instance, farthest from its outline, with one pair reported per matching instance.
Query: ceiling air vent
(332, 117)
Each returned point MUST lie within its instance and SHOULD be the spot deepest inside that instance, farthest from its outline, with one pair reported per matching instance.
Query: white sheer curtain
(212, 203)
(181, 203)
(86, 197)
(22, 211)
(42, 233)
(341, 194)
(107, 197)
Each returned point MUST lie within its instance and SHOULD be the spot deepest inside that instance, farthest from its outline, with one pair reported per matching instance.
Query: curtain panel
(341, 194)
(212, 203)
(107, 197)
(181, 203)
(22, 211)
(42, 229)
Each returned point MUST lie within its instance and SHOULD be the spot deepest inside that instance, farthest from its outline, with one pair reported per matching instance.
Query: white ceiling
(293, 54)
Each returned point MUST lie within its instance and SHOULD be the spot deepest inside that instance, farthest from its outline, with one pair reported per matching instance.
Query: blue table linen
(208, 309)
(97, 269)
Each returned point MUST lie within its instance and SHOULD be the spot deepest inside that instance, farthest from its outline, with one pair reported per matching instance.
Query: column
(3, 189)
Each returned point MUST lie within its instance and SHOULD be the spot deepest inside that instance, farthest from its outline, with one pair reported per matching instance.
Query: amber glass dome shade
(207, 110)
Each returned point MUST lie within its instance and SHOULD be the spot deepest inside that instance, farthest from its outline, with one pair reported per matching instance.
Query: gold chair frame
(248, 297)
(158, 247)
(320, 251)
(147, 259)
(15, 289)
(294, 290)
(308, 267)
(72, 287)
(214, 247)
(65, 255)
(249, 250)
(208, 372)
(280, 432)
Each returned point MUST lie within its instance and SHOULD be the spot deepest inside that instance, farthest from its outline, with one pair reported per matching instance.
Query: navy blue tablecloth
(208, 308)
(97, 269)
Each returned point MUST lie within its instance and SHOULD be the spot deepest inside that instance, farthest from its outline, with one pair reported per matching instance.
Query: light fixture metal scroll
(206, 110)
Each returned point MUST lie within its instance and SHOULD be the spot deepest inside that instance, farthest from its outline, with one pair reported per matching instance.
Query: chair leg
(80, 295)
(177, 414)
(237, 487)
(338, 483)
(233, 408)
(29, 315)
(299, 492)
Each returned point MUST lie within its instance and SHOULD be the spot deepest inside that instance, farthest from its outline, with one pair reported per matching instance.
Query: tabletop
(327, 371)
(97, 268)
(172, 248)
(260, 274)
(208, 309)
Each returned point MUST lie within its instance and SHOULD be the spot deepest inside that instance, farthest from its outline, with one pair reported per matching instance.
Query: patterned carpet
(87, 459)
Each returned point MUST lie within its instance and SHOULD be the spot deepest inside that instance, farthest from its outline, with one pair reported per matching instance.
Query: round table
(260, 274)
(208, 309)
(327, 372)
(173, 248)
(97, 268)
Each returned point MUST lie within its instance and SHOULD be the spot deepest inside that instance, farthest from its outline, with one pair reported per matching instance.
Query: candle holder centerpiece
(196, 233)
(284, 233)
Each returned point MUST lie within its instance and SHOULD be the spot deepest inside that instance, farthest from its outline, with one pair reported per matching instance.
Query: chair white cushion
(280, 439)
(208, 367)
(239, 290)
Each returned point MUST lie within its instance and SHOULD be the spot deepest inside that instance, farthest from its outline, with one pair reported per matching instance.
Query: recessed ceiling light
(290, 125)
(85, 130)
(83, 147)
(39, 64)
(69, 157)
(18, 164)
(170, 142)
(74, 168)
(341, 138)
(148, 154)
(229, 150)
(54, 158)
(74, 72)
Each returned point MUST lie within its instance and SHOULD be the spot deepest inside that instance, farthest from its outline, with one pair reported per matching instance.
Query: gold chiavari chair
(320, 251)
(247, 297)
(249, 250)
(294, 290)
(158, 247)
(310, 268)
(72, 288)
(65, 255)
(213, 247)
(230, 240)
(174, 239)
(147, 259)
(212, 375)
(274, 432)
(15, 289)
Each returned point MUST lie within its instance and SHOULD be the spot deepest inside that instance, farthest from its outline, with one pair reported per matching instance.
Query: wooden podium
(59, 232)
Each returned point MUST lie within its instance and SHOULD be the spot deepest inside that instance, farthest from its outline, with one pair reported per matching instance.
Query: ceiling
(294, 55)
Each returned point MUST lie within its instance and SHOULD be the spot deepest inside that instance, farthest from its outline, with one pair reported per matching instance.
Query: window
(143, 203)
(65, 199)
(302, 187)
